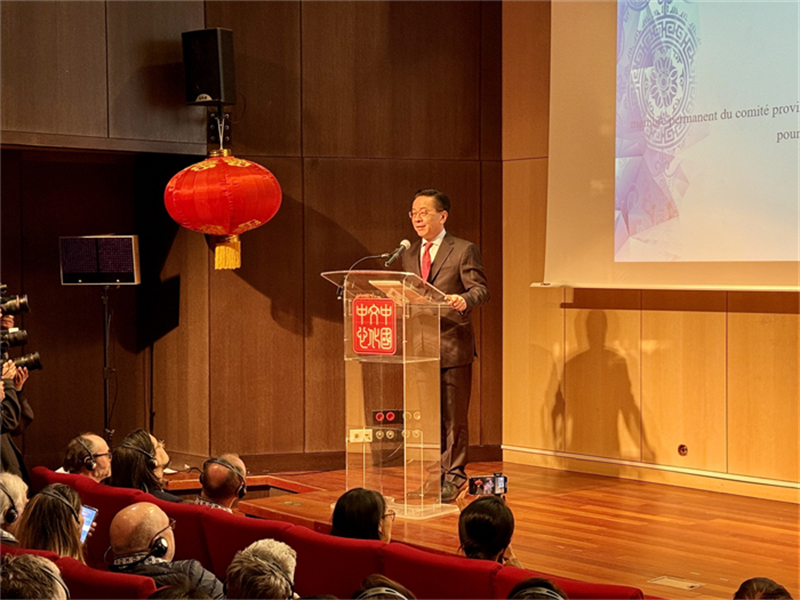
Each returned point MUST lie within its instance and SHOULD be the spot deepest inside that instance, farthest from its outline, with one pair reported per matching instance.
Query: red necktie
(426, 261)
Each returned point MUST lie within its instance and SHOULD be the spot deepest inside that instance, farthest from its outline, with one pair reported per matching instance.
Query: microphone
(395, 254)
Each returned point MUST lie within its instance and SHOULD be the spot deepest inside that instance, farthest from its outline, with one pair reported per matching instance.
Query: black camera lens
(30, 361)
(13, 337)
(15, 305)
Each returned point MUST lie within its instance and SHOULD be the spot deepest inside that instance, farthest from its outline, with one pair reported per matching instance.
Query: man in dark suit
(455, 267)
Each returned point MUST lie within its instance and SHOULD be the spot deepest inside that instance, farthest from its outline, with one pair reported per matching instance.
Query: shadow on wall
(594, 410)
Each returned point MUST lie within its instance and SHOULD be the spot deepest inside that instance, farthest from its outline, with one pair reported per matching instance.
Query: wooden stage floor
(600, 529)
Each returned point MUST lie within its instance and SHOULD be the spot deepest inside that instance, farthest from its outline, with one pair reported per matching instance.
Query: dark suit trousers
(456, 387)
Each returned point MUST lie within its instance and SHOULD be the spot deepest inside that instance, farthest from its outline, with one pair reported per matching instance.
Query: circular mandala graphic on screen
(662, 77)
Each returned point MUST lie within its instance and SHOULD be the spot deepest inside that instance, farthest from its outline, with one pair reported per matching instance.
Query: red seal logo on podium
(374, 326)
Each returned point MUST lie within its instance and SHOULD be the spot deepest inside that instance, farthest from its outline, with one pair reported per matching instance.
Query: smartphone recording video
(488, 485)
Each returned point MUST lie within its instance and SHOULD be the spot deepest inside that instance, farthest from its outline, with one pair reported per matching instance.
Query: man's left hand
(20, 377)
(456, 302)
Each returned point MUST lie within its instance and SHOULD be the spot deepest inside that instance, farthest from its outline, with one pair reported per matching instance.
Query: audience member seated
(13, 498)
(485, 527)
(52, 521)
(223, 481)
(31, 576)
(88, 454)
(139, 463)
(143, 543)
(265, 569)
(761, 587)
(537, 588)
(183, 589)
(379, 586)
(362, 514)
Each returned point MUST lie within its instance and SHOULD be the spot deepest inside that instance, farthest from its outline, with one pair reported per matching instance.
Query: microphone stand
(340, 289)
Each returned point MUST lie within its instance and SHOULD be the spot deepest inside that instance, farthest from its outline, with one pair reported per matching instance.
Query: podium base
(420, 512)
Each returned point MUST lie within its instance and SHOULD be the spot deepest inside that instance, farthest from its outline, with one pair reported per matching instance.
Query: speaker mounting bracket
(219, 128)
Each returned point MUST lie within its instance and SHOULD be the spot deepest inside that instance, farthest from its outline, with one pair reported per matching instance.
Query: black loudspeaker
(100, 260)
(209, 66)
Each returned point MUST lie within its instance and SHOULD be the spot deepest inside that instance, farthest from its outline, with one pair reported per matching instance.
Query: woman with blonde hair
(52, 521)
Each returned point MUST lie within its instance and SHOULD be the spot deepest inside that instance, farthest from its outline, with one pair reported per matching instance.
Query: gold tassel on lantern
(227, 252)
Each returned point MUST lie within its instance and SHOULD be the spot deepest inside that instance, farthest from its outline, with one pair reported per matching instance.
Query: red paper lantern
(223, 196)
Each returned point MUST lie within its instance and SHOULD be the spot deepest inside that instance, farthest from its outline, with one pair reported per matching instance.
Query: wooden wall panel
(526, 79)
(683, 379)
(533, 398)
(354, 208)
(391, 79)
(11, 222)
(54, 67)
(490, 351)
(146, 93)
(256, 329)
(533, 319)
(181, 367)
(763, 385)
(491, 107)
(602, 412)
(266, 39)
(75, 194)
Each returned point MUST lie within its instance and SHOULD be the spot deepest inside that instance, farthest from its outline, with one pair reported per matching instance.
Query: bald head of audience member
(223, 478)
(134, 529)
(88, 454)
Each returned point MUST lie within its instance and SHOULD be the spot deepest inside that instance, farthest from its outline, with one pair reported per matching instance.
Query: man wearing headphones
(143, 543)
(89, 455)
(223, 481)
(13, 498)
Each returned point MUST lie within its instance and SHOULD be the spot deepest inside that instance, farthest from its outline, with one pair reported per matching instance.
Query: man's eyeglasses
(108, 454)
(422, 214)
(390, 513)
(172, 523)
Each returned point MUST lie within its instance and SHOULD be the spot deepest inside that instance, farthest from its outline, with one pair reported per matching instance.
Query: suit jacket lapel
(444, 251)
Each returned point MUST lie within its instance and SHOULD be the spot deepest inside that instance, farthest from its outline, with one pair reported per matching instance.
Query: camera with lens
(13, 305)
(9, 338)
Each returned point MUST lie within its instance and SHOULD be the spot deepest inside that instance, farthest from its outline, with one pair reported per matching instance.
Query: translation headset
(542, 592)
(380, 592)
(88, 461)
(275, 569)
(11, 513)
(157, 548)
(63, 500)
(152, 463)
(242, 489)
(57, 579)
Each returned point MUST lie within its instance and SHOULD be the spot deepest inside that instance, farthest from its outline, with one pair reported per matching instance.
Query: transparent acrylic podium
(392, 408)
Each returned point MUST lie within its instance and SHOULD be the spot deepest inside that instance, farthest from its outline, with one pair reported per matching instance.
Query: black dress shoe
(450, 491)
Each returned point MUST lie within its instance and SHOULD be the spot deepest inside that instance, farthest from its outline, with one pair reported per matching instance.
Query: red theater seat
(227, 534)
(17, 550)
(108, 501)
(331, 565)
(42, 477)
(190, 540)
(431, 575)
(85, 582)
(508, 577)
